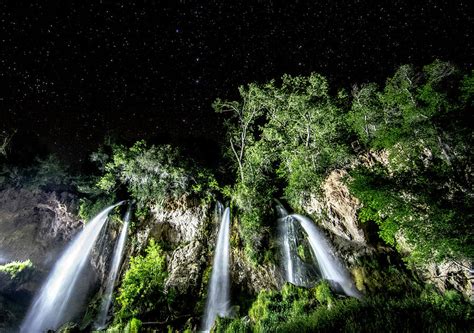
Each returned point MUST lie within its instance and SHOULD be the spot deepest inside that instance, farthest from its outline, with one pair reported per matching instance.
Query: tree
(241, 125)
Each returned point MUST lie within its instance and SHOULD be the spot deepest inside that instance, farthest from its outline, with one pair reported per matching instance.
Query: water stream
(331, 268)
(117, 259)
(297, 271)
(218, 297)
(50, 308)
(286, 229)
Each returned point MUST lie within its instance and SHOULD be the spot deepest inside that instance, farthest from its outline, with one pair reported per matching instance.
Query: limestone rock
(253, 278)
(337, 208)
(185, 267)
(35, 225)
(451, 275)
(178, 224)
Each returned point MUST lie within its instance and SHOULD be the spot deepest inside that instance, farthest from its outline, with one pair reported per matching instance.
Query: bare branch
(5, 140)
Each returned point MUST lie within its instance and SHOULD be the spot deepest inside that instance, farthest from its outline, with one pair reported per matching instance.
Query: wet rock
(34, 225)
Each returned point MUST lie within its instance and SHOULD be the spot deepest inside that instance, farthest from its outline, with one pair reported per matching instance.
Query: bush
(142, 293)
(17, 269)
(134, 326)
(155, 174)
(294, 310)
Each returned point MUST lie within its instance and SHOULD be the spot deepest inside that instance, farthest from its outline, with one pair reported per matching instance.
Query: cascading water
(219, 210)
(50, 307)
(218, 298)
(117, 259)
(296, 270)
(286, 236)
(330, 267)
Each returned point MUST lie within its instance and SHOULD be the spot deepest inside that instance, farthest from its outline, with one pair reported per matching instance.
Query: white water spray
(331, 268)
(218, 298)
(50, 307)
(117, 259)
(286, 237)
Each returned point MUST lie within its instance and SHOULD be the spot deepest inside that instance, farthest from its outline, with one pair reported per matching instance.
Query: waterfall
(296, 270)
(218, 297)
(219, 210)
(117, 259)
(50, 307)
(331, 268)
(286, 236)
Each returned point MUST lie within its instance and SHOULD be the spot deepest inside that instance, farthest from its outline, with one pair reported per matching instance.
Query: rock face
(178, 224)
(35, 225)
(184, 228)
(191, 231)
(451, 275)
(445, 275)
(185, 267)
(337, 208)
(252, 279)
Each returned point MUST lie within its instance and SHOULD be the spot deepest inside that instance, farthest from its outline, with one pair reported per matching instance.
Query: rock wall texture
(451, 274)
(182, 227)
(337, 208)
(35, 225)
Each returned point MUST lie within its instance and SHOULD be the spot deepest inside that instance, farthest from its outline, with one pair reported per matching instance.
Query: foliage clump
(419, 196)
(17, 268)
(296, 309)
(281, 135)
(153, 174)
(142, 293)
(45, 173)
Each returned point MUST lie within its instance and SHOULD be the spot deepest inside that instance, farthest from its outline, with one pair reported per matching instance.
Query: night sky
(72, 73)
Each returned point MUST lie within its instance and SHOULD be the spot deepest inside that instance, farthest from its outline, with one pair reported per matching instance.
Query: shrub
(16, 269)
(142, 291)
(293, 310)
(153, 174)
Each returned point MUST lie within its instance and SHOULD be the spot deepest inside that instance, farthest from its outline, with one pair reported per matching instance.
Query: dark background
(72, 73)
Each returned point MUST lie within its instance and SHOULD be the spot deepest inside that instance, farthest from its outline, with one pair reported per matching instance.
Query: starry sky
(72, 73)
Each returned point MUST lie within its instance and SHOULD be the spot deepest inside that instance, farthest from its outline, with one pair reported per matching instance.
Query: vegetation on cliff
(283, 138)
(288, 136)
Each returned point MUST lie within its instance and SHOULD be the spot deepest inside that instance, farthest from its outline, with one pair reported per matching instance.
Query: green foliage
(69, 328)
(420, 193)
(378, 314)
(294, 310)
(288, 135)
(324, 294)
(134, 326)
(467, 89)
(141, 292)
(16, 269)
(117, 328)
(89, 208)
(155, 174)
(432, 227)
(238, 325)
